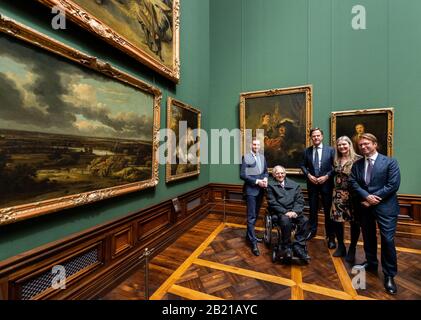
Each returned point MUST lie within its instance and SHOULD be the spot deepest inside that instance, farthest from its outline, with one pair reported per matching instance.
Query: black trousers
(325, 192)
(285, 224)
(387, 226)
(253, 207)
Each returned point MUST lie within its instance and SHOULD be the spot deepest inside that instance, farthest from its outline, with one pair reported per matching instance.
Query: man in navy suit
(254, 172)
(318, 168)
(375, 179)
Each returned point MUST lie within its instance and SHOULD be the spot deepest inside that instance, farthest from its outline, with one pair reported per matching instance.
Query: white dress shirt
(373, 160)
(319, 150)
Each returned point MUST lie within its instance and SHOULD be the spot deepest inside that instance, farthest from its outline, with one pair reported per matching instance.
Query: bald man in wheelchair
(285, 199)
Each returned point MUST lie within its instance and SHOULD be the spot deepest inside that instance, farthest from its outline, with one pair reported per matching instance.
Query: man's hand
(291, 215)
(373, 200)
(365, 204)
(313, 179)
(262, 183)
(322, 179)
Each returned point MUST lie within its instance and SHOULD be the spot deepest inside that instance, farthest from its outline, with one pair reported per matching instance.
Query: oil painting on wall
(69, 134)
(281, 119)
(356, 122)
(184, 121)
(148, 30)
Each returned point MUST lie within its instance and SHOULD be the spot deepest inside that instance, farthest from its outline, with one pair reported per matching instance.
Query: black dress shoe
(390, 285)
(369, 267)
(287, 254)
(350, 256)
(331, 244)
(255, 250)
(301, 253)
(340, 252)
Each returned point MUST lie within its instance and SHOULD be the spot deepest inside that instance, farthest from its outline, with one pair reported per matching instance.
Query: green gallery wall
(233, 46)
(265, 44)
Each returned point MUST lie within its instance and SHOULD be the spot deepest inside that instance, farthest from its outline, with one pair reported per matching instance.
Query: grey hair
(276, 168)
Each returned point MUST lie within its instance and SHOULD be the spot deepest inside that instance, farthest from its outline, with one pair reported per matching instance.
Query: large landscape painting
(68, 132)
(148, 30)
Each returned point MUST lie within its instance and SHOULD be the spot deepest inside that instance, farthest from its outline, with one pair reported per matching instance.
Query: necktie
(316, 161)
(259, 167)
(369, 171)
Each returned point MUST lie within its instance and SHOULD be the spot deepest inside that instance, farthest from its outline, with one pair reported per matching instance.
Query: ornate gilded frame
(307, 89)
(30, 210)
(100, 28)
(365, 114)
(173, 102)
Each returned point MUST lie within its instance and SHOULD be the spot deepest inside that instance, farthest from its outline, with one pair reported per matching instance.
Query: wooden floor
(212, 261)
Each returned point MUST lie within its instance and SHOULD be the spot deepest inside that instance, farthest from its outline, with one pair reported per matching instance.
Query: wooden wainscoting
(97, 259)
(409, 223)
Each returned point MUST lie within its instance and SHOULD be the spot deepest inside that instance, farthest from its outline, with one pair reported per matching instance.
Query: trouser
(285, 224)
(355, 233)
(253, 207)
(326, 194)
(387, 226)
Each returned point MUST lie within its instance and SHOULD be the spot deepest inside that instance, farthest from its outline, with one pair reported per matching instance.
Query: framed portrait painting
(73, 129)
(183, 121)
(281, 119)
(147, 30)
(356, 122)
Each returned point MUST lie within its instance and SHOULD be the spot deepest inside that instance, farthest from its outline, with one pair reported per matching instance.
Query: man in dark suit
(318, 168)
(375, 179)
(254, 172)
(285, 198)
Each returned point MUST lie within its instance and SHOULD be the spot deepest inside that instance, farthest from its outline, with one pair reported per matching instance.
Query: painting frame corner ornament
(151, 34)
(178, 112)
(94, 136)
(278, 117)
(353, 123)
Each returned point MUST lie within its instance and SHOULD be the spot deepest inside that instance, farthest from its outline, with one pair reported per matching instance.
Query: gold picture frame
(177, 112)
(150, 32)
(68, 144)
(351, 123)
(284, 117)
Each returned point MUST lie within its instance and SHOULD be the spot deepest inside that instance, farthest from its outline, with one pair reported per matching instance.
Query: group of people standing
(359, 189)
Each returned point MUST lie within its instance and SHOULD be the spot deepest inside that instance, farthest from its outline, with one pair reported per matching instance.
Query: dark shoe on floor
(301, 253)
(390, 285)
(331, 243)
(340, 251)
(369, 267)
(287, 254)
(350, 256)
(255, 250)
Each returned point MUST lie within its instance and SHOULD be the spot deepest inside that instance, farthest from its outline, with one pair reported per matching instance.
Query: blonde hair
(351, 152)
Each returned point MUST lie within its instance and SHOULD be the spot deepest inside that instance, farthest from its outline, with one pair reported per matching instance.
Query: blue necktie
(369, 171)
(259, 166)
(316, 161)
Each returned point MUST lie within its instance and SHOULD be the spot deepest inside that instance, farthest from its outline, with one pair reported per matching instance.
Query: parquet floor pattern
(213, 261)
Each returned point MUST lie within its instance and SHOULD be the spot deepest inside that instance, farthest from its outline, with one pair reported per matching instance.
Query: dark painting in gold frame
(281, 119)
(355, 122)
(73, 129)
(147, 30)
(181, 115)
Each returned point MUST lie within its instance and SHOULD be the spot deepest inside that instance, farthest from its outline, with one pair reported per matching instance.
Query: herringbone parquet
(213, 261)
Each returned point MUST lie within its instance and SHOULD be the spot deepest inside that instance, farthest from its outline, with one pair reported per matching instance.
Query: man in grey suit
(254, 172)
(285, 199)
(375, 179)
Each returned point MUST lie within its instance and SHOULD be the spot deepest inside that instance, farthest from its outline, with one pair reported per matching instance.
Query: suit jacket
(385, 181)
(326, 165)
(282, 200)
(250, 173)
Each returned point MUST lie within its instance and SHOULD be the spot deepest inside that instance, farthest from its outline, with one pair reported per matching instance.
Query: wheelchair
(272, 238)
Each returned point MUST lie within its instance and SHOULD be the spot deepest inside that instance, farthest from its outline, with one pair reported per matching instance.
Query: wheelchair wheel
(267, 236)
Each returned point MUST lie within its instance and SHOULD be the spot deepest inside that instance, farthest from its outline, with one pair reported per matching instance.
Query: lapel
(360, 163)
(378, 164)
(310, 156)
(324, 152)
